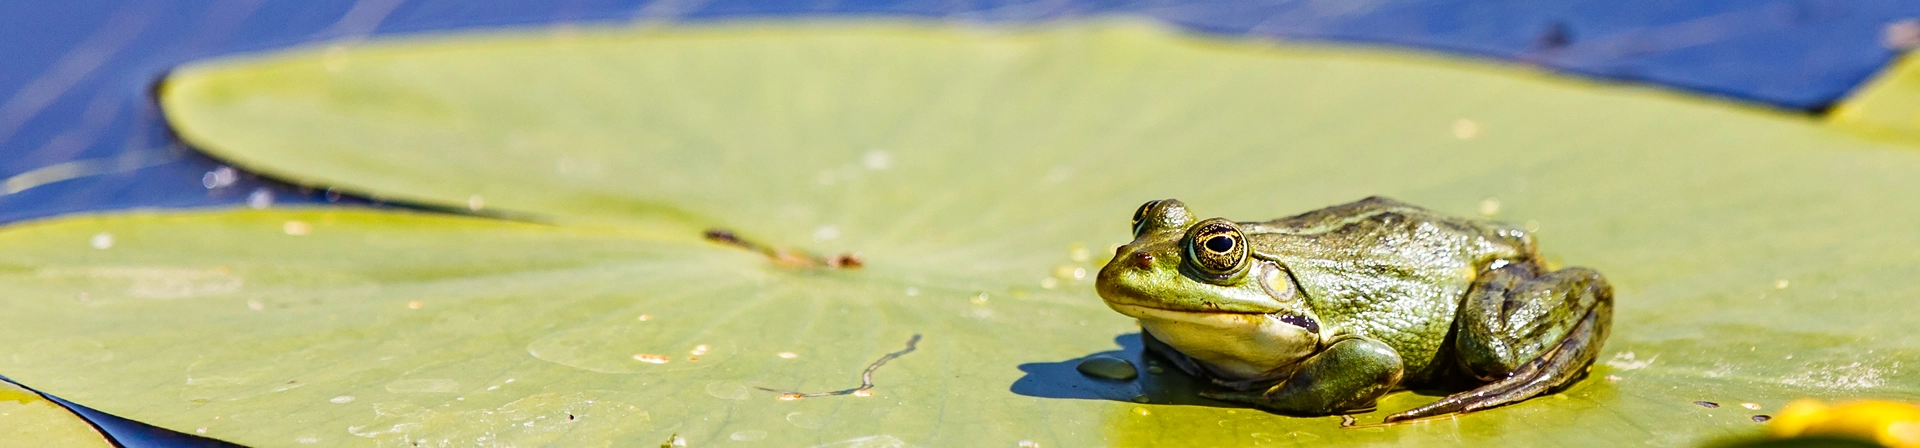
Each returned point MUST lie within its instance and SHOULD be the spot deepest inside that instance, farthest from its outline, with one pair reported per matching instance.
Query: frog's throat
(1237, 346)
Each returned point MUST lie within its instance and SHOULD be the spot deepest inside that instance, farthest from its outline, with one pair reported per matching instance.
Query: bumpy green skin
(1388, 271)
(1323, 312)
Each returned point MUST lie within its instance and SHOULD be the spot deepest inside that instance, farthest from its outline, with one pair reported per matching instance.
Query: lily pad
(27, 419)
(1886, 107)
(981, 175)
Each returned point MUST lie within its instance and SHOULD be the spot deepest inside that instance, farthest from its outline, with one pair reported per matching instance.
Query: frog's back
(1388, 270)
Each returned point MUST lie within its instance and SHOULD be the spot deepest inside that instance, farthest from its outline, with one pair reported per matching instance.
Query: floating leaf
(1886, 107)
(981, 175)
(27, 419)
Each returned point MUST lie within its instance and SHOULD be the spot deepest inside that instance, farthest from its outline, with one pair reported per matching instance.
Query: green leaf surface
(27, 419)
(982, 174)
(1888, 106)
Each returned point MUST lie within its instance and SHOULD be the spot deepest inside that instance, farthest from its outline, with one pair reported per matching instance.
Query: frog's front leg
(1527, 333)
(1346, 377)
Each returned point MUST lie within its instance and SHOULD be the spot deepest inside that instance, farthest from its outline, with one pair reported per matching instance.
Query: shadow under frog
(1158, 381)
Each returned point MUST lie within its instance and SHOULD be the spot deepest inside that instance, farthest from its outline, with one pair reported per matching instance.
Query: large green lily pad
(27, 419)
(981, 174)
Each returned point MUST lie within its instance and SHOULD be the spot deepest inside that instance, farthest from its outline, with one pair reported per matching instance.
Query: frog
(1325, 312)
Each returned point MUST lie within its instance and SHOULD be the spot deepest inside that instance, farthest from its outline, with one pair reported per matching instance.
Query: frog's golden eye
(1216, 249)
(1140, 216)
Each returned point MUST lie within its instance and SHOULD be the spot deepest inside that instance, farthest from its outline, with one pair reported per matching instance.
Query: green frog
(1324, 312)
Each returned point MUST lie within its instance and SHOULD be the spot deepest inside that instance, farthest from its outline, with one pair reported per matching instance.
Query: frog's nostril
(1143, 260)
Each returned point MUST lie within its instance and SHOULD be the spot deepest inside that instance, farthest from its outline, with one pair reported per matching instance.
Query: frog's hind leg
(1528, 334)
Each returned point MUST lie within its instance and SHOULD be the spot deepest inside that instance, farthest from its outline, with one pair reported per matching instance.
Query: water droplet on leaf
(748, 435)
(1108, 367)
(728, 390)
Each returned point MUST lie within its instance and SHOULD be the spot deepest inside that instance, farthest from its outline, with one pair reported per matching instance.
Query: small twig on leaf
(866, 377)
(783, 257)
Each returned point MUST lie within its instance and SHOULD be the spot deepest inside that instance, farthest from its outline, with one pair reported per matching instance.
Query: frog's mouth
(1210, 307)
(1144, 311)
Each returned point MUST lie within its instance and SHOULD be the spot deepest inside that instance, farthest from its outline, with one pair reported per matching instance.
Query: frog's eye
(1140, 216)
(1160, 215)
(1216, 249)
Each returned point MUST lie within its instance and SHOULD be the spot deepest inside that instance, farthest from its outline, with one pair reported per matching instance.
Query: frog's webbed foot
(1529, 335)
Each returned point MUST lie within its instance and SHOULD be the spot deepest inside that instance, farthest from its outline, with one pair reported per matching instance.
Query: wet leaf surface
(981, 175)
